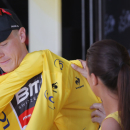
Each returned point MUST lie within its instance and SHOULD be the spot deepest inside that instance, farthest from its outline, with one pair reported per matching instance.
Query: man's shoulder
(57, 63)
(54, 60)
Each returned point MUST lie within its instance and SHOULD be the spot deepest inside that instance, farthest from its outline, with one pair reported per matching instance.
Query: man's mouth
(4, 62)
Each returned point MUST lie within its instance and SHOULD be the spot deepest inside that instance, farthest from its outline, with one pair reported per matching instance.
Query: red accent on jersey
(3, 74)
(25, 117)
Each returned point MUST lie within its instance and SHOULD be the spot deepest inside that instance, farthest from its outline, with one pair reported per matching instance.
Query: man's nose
(1, 54)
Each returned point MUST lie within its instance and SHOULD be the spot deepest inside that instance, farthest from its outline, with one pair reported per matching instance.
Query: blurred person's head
(12, 41)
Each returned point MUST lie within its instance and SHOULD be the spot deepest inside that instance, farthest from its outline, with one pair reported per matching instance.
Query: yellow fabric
(114, 116)
(70, 107)
(10, 116)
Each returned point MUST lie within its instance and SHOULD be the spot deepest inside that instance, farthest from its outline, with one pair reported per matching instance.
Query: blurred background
(69, 27)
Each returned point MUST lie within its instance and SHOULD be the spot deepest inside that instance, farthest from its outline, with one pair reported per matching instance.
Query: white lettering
(14, 26)
(24, 92)
(22, 95)
(35, 84)
(26, 117)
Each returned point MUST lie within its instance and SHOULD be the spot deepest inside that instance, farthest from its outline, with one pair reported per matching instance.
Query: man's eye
(3, 44)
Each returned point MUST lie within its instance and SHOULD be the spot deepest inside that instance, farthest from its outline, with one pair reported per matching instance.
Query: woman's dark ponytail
(123, 84)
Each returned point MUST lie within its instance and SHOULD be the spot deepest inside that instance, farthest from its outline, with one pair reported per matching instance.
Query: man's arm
(99, 114)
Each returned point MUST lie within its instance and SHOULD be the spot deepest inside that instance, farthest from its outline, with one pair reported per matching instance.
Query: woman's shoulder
(111, 122)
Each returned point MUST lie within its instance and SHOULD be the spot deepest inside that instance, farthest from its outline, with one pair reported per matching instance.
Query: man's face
(12, 52)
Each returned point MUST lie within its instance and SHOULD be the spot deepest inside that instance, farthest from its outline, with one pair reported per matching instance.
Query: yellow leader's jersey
(58, 98)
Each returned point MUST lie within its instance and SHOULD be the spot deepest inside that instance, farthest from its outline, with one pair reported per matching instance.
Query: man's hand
(83, 70)
(99, 114)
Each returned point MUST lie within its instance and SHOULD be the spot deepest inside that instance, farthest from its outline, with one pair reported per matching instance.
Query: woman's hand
(83, 70)
(99, 114)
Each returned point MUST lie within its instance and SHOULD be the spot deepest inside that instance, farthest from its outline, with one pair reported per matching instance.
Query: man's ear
(22, 34)
(94, 79)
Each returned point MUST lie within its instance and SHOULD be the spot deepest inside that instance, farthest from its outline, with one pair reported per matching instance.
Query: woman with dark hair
(108, 73)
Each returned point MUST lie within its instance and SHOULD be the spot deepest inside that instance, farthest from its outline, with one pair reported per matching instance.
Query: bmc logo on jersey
(24, 101)
(24, 92)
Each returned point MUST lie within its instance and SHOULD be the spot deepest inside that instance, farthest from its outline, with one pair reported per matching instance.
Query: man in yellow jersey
(40, 90)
